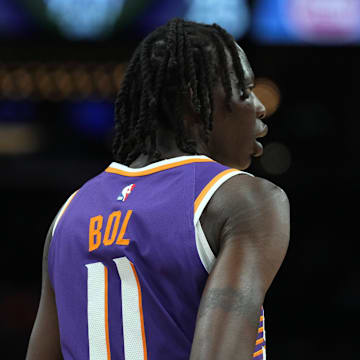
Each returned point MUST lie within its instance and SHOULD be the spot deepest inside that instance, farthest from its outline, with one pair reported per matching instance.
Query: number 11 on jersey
(132, 314)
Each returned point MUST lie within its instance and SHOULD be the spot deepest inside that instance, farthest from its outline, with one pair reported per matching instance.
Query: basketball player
(169, 252)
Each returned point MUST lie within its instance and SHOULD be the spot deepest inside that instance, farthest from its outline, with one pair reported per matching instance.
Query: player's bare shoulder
(242, 192)
(249, 207)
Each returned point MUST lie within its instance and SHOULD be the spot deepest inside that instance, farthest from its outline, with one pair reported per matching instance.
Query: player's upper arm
(44, 342)
(256, 228)
(253, 239)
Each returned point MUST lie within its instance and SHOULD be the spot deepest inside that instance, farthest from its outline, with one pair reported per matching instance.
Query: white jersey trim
(159, 163)
(206, 255)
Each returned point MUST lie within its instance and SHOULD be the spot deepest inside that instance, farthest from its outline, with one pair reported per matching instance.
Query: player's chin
(258, 149)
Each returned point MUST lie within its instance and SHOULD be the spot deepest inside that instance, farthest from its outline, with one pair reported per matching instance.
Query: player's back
(128, 261)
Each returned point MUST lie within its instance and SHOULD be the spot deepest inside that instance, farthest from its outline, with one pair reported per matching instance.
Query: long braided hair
(178, 63)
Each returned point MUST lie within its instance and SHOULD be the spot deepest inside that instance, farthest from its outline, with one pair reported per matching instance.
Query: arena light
(334, 22)
(269, 94)
(7, 87)
(232, 15)
(44, 82)
(18, 139)
(118, 74)
(24, 82)
(102, 82)
(84, 19)
(64, 83)
(60, 81)
(82, 81)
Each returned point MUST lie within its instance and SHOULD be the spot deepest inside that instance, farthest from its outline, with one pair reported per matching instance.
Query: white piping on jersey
(264, 335)
(62, 210)
(206, 255)
(157, 164)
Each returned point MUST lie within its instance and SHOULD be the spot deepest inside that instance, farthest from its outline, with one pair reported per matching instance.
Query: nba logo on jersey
(125, 192)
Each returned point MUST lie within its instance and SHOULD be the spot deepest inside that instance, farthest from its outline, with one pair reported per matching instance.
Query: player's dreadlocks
(177, 63)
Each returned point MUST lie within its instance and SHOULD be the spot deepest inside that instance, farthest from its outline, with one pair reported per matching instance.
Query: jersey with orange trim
(128, 261)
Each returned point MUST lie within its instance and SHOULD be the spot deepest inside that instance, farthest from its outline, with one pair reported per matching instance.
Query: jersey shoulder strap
(208, 178)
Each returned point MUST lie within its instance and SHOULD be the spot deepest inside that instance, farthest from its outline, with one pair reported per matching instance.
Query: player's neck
(166, 145)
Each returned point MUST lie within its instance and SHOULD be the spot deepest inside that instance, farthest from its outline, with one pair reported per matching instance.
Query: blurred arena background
(61, 63)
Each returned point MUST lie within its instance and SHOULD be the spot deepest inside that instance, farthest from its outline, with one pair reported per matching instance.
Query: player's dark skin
(246, 223)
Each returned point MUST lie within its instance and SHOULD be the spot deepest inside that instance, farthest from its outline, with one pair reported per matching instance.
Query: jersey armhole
(205, 253)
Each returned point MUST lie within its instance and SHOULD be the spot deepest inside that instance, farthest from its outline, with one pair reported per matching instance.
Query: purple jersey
(128, 261)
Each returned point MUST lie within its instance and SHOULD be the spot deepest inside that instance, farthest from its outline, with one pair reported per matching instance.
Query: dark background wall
(54, 136)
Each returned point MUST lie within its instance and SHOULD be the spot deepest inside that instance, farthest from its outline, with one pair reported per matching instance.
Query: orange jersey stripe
(155, 169)
(261, 329)
(261, 318)
(141, 312)
(258, 353)
(106, 315)
(259, 341)
(206, 189)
